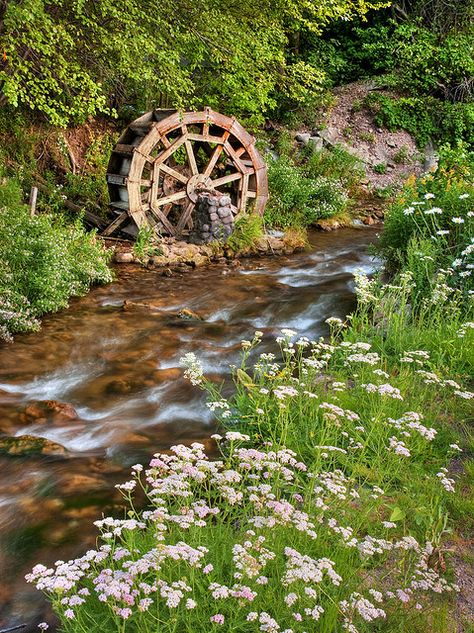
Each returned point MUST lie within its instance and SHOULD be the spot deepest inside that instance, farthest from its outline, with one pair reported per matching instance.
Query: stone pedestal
(213, 218)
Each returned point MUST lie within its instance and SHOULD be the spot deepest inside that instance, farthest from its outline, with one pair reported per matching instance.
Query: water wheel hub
(197, 183)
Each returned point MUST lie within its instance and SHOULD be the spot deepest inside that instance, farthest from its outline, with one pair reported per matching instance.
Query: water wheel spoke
(185, 217)
(191, 157)
(159, 215)
(213, 160)
(173, 173)
(218, 182)
(230, 151)
(179, 195)
(170, 150)
(165, 141)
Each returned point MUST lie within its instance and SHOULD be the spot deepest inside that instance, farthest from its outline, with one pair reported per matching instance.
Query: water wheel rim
(232, 165)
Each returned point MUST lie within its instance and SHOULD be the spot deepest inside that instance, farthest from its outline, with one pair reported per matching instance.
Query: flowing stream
(118, 368)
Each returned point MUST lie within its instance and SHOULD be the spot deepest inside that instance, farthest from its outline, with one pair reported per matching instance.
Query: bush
(298, 199)
(335, 163)
(247, 230)
(44, 262)
(425, 118)
(432, 221)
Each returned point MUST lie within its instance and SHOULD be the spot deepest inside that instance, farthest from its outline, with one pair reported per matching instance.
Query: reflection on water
(118, 367)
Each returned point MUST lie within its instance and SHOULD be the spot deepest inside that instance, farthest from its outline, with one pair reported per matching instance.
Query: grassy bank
(346, 469)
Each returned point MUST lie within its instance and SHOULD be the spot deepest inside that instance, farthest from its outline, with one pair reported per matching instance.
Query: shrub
(336, 163)
(298, 199)
(44, 262)
(247, 230)
(432, 221)
(424, 117)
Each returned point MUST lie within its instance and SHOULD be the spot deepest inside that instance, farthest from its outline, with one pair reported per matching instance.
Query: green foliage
(430, 226)
(247, 230)
(69, 60)
(145, 245)
(336, 163)
(301, 194)
(44, 262)
(89, 186)
(424, 117)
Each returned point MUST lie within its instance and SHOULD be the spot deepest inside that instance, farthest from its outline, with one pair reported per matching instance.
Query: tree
(74, 58)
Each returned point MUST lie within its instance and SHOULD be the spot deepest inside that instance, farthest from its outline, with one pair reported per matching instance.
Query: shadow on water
(119, 370)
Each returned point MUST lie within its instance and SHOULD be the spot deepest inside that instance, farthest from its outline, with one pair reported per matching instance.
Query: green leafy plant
(430, 225)
(247, 231)
(380, 168)
(146, 245)
(45, 261)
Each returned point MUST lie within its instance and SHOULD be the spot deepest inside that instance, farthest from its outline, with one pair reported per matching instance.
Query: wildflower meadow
(333, 491)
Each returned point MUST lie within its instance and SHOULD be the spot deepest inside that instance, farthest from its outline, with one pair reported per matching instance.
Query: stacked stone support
(213, 218)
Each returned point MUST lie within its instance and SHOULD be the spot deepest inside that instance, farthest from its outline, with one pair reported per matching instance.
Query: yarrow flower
(194, 371)
(218, 618)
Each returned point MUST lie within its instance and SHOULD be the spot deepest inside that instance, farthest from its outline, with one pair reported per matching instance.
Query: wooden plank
(175, 174)
(116, 179)
(172, 148)
(229, 150)
(124, 149)
(159, 215)
(113, 226)
(155, 183)
(215, 155)
(226, 179)
(185, 217)
(179, 195)
(191, 157)
(243, 193)
(202, 137)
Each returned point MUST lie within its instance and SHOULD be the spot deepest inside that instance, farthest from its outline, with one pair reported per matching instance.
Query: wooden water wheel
(164, 158)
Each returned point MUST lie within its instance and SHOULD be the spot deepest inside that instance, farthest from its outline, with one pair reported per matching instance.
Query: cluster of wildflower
(431, 378)
(411, 421)
(465, 327)
(188, 494)
(193, 368)
(417, 357)
(446, 482)
(365, 288)
(383, 390)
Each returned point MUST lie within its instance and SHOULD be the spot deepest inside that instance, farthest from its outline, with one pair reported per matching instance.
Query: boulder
(316, 143)
(124, 258)
(303, 137)
(329, 135)
(189, 315)
(43, 410)
(29, 445)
